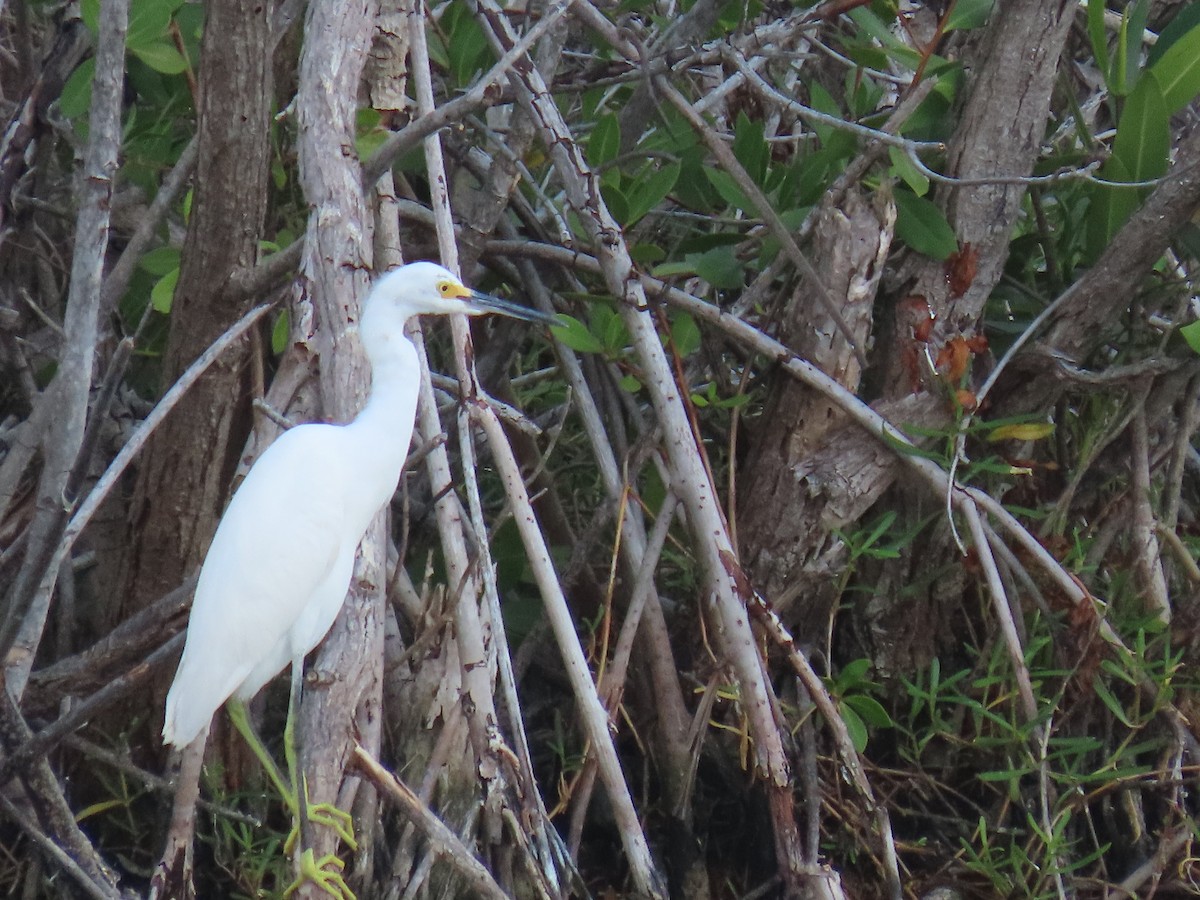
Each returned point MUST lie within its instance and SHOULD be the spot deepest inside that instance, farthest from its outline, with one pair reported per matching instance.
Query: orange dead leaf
(915, 313)
(960, 270)
(966, 399)
(953, 359)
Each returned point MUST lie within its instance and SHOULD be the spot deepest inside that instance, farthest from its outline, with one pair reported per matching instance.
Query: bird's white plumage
(282, 557)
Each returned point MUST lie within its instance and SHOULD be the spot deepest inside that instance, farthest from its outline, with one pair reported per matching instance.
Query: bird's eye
(444, 288)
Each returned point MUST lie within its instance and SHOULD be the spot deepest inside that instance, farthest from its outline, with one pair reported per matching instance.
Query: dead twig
(445, 843)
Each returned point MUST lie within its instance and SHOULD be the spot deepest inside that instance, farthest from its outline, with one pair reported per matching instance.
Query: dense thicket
(840, 543)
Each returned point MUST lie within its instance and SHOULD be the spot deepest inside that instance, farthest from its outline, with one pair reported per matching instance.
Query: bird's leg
(241, 721)
(325, 872)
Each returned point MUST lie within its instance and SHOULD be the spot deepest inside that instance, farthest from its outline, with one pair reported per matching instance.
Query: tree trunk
(185, 481)
(823, 474)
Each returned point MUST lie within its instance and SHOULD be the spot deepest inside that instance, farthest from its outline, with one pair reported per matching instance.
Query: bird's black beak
(488, 303)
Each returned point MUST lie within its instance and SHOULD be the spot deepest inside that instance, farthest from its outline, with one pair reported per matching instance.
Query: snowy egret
(280, 563)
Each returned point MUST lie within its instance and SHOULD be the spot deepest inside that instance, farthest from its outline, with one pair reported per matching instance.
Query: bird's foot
(337, 819)
(329, 815)
(325, 873)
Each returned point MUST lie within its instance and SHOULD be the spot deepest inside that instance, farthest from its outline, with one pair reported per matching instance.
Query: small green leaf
(148, 22)
(721, 268)
(279, 333)
(854, 671)
(647, 193)
(967, 14)
(647, 254)
(576, 335)
(615, 200)
(616, 336)
(161, 57)
(76, 96)
(604, 143)
(685, 334)
(1185, 20)
(161, 261)
(1109, 209)
(750, 147)
(903, 167)
(1144, 133)
(1178, 71)
(728, 189)
(921, 225)
(466, 45)
(163, 293)
(630, 384)
(822, 101)
(1133, 26)
(1115, 706)
(869, 709)
(1191, 334)
(1096, 31)
(855, 726)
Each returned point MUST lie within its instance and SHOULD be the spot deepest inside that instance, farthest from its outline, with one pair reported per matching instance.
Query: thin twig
(445, 843)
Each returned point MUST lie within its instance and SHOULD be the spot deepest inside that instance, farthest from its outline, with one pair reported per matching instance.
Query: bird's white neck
(383, 430)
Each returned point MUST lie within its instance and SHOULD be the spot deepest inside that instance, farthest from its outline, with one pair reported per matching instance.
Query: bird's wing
(278, 541)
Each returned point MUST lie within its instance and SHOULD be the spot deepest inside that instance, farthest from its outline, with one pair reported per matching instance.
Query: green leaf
(750, 147)
(1109, 209)
(161, 261)
(616, 335)
(148, 22)
(576, 335)
(855, 726)
(645, 194)
(1143, 138)
(163, 293)
(728, 189)
(921, 225)
(720, 268)
(466, 45)
(279, 333)
(647, 254)
(967, 14)
(1133, 26)
(903, 167)
(869, 709)
(896, 50)
(89, 11)
(854, 671)
(685, 334)
(1095, 16)
(1178, 71)
(822, 101)
(604, 143)
(76, 96)
(161, 57)
(1191, 334)
(1185, 20)
(616, 201)
(1115, 706)
(630, 384)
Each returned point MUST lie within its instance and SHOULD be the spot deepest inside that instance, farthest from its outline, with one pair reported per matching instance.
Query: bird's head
(425, 288)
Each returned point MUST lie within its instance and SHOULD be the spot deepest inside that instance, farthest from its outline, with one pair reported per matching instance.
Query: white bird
(280, 563)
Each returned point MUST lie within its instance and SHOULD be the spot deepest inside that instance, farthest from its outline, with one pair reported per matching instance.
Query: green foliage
(923, 226)
(1148, 96)
(457, 42)
(855, 693)
(1139, 154)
